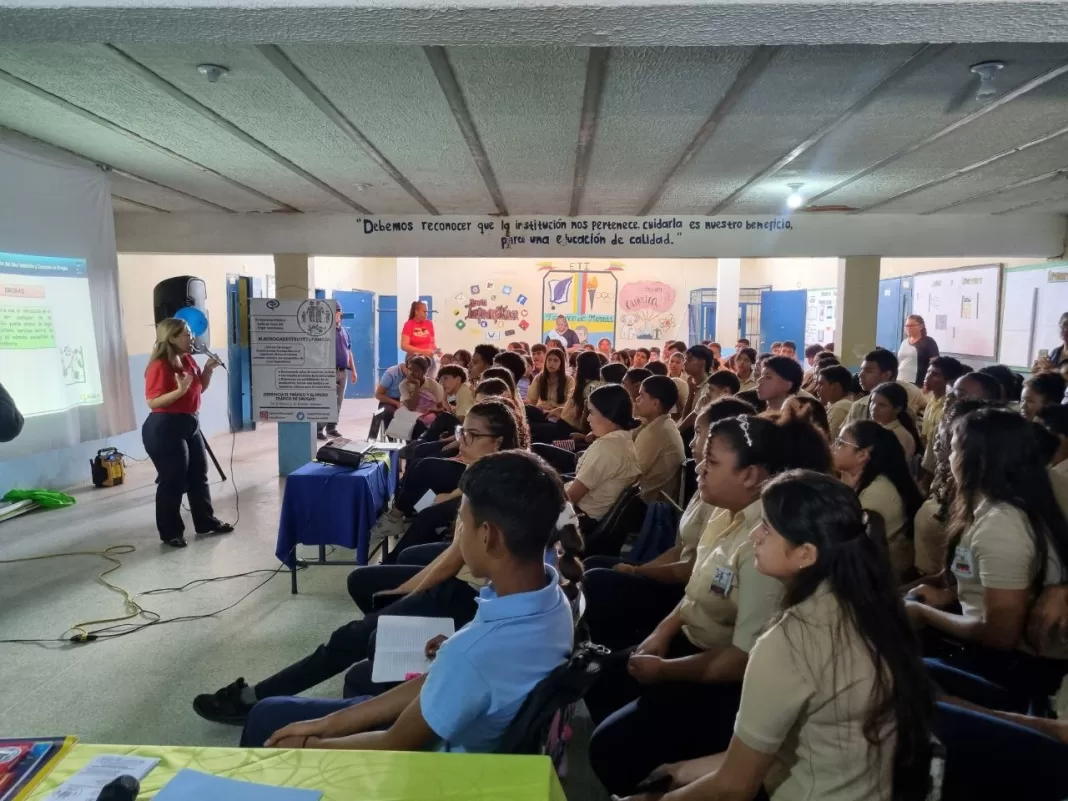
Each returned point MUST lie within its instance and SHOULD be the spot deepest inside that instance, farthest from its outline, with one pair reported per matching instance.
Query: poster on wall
(645, 311)
(582, 302)
(293, 360)
(819, 317)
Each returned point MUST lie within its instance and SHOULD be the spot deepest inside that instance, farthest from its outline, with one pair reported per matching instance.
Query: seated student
(551, 387)
(889, 407)
(515, 364)
(675, 363)
(658, 442)
(421, 394)
(832, 387)
(621, 357)
(835, 703)
(523, 385)
(802, 407)
(489, 426)
(632, 380)
(811, 353)
(641, 357)
(744, 366)
(656, 367)
(513, 512)
(462, 357)
(650, 591)
(654, 354)
(571, 417)
(613, 373)
(776, 348)
(610, 464)
(481, 360)
(1008, 540)
(878, 367)
(1011, 383)
(459, 398)
(780, 378)
(871, 461)
(690, 668)
(980, 386)
(387, 393)
(942, 372)
(697, 367)
(538, 352)
(1039, 391)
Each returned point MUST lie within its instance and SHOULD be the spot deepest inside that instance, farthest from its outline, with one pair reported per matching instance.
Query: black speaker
(176, 293)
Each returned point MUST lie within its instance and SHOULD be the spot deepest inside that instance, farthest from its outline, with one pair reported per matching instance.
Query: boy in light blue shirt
(513, 509)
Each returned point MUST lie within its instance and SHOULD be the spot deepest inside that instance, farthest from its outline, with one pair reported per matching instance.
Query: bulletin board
(962, 309)
(1036, 295)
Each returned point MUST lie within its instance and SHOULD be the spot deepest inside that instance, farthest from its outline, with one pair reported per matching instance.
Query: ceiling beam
(949, 176)
(172, 91)
(1058, 198)
(139, 203)
(1049, 176)
(596, 69)
(993, 105)
(96, 119)
(454, 96)
(924, 55)
(281, 62)
(758, 62)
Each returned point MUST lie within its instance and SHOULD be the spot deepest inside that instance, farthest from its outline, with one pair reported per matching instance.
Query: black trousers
(353, 643)
(176, 448)
(655, 724)
(436, 475)
(425, 528)
(380, 422)
(550, 431)
(444, 423)
(621, 609)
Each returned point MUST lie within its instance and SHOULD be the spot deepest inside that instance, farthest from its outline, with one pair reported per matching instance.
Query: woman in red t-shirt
(417, 336)
(172, 437)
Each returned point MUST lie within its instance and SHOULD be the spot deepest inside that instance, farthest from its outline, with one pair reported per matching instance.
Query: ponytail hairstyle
(887, 459)
(722, 408)
(587, 371)
(897, 397)
(501, 419)
(624, 358)
(800, 407)
(498, 389)
(999, 460)
(811, 508)
(775, 445)
(523, 496)
(560, 376)
(463, 358)
(613, 403)
(502, 373)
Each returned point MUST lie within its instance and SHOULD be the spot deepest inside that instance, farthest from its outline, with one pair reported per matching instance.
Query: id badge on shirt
(963, 565)
(721, 581)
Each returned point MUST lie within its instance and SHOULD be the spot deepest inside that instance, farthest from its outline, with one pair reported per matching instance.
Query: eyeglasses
(838, 443)
(469, 437)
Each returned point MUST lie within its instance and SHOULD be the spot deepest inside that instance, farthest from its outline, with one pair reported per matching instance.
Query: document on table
(400, 645)
(192, 785)
(86, 784)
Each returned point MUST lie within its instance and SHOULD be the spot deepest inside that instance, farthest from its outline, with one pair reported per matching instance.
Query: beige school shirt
(805, 698)
(429, 386)
(882, 496)
(660, 455)
(684, 395)
(917, 401)
(534, 392)
(837, 413)
(728, 601)
(606, 468)
(908, 444)
(748, 384)
(462, 401)
(997, 552)
(692, 525)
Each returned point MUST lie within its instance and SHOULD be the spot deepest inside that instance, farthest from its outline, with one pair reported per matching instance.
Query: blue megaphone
(194, 318)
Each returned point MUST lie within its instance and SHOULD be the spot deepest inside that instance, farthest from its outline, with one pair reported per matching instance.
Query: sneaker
(388, 527)
(224, 706)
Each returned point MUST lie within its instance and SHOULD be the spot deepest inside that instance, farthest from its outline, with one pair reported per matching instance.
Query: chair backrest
(560, 460)
(688, 484)
(566, 685)
(625, 517)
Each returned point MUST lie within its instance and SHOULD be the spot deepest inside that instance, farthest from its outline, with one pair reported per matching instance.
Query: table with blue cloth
(326, 504)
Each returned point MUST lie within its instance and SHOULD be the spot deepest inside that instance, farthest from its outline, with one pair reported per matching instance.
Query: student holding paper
(513, 511)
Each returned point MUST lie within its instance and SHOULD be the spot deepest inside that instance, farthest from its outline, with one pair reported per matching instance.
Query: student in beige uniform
(570, 419)
(780, 378)
(870, 461)
(698, 366)
(835, 704)
(658, 442)
(551, 387)
(833, 386)
(1008, 540)
(610, 464)
(888, 406)
(650, 591)
(744, 361)
(677, 695)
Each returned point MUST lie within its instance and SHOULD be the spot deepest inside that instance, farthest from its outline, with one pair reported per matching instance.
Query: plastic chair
(625, 517)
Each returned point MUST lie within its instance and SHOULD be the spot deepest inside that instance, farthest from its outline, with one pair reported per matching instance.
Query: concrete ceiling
(404, 129)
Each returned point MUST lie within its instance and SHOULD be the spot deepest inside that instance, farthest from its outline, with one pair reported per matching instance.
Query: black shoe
(220, 528)
(225, 705)
(333, 432)
(320, 435)
(176, 542)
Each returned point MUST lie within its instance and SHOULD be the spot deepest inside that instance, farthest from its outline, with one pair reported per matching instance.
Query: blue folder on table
(192, 785)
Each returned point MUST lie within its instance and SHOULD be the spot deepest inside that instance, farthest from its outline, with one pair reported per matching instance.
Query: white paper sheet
(425, 501)
(86, 784)
(400, 645)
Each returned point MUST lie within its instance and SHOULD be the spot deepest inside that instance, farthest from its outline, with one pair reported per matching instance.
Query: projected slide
(48, 359)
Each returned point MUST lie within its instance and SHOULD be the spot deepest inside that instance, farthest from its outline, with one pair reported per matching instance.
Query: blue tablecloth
(325, 504)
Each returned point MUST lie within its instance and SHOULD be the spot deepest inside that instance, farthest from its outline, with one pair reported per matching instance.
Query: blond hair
(166, 331)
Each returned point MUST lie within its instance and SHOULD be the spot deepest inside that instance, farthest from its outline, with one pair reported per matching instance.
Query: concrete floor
(139, 688)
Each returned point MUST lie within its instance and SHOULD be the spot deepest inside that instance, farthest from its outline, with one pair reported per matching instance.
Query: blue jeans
(271, 714)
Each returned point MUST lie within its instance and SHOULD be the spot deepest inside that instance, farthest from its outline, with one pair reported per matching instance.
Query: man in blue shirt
(509, 517)
(387, 393)
(345, 369)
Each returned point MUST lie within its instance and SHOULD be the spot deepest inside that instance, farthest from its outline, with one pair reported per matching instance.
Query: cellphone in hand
(1043, 354)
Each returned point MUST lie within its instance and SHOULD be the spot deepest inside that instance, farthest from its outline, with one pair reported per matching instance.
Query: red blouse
(162, 378)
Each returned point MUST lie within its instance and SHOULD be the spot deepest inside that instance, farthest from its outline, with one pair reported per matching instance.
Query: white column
(856, 308)
(407, 286)
(728, 295)
(293, 281)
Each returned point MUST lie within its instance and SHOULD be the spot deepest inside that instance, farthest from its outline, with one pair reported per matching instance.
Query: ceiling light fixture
(794, 200)
(986, 70)
(212, 72)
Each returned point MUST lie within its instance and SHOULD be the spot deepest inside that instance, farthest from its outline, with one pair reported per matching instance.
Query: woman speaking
(171, 434)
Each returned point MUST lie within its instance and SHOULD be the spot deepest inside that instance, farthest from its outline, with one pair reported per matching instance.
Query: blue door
(238, 366)
(782, 317)
(708, 321)
(889, 323)
(358, 318)
(388, 333)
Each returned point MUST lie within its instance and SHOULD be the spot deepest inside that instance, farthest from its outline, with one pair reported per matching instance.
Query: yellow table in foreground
(341, 775)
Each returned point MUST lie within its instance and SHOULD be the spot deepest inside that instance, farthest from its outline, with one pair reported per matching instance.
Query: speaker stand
(211, 453)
